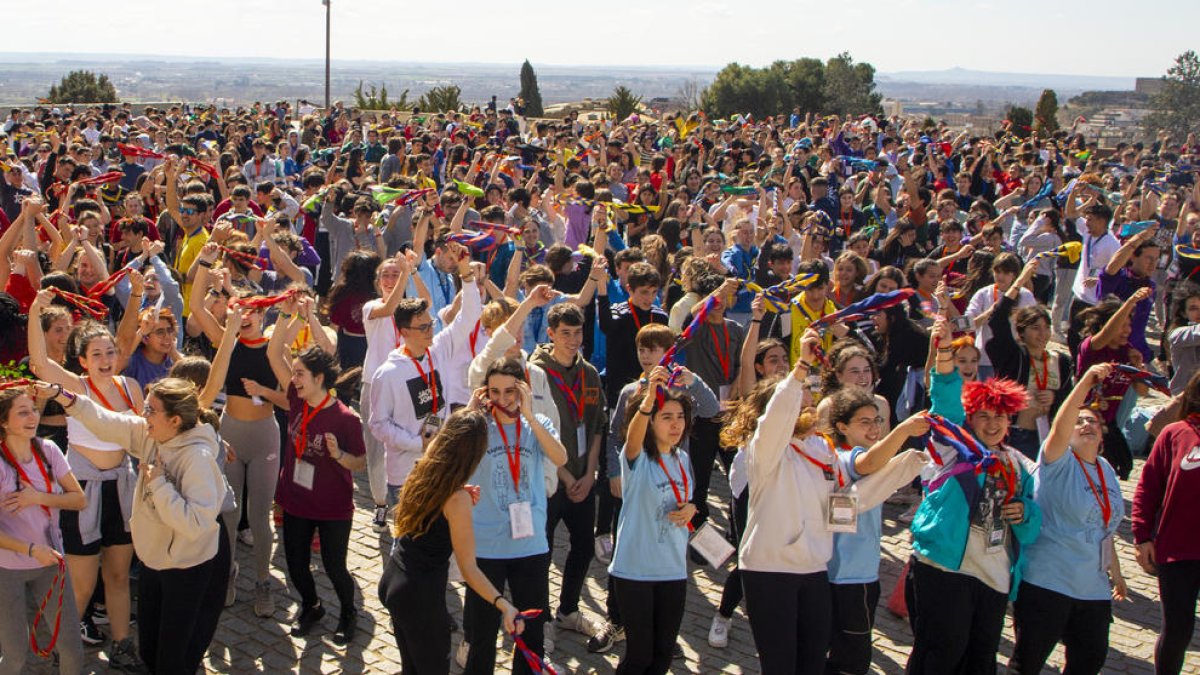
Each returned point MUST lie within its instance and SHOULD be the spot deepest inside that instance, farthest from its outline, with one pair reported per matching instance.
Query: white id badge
(581, 447)
(1105, 553)
(996, 537)
(302, 474)
(256, 400)
(520, 520)
(842, 512)
(1043, 427)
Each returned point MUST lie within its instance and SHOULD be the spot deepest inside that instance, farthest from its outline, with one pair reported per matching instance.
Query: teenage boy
(1131, 268)
(1099, 247)
(408, 400)
(576, 390)
(621, 323)
(811, 304)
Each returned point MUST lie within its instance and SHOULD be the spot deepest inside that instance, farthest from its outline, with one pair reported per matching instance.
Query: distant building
(1148, 86)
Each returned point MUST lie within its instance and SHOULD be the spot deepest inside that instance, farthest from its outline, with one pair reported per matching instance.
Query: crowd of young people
(221, 316)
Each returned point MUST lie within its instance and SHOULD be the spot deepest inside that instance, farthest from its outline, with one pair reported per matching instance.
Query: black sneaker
(123, 657)
(90, 635)
(603, 641)
(380, 521)
(347, 626)
(308, 617)
(677, 653)
(99, 614)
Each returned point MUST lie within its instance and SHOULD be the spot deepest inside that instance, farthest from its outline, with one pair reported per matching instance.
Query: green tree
(377, 100)
(445, 98)
(622, 103)
(1021, 119)
(530, 92)
(850, 87)
(1045, 116)
(1177, 107)
(83, 86)
(739, 89)
(805, 79)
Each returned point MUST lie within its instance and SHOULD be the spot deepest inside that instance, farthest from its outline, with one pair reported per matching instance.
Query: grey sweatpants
(376, 454)
(256, 468)
(21, 593)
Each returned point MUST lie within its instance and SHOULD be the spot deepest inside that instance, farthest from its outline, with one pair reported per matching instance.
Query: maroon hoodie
(1166, 505)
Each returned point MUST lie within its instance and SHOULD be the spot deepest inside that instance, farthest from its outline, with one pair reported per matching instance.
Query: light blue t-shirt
(1066, 556)
(490, 517)
(856, 554)
(649, 546)
(441, 289)
(533, 332)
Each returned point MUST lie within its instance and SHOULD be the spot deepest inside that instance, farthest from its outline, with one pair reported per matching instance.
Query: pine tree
(530, 93)
(82, 86)
(1045, 116)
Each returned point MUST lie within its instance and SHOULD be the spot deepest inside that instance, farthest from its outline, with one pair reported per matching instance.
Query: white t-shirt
(983, 300)
(1097, 252)
(382, 338)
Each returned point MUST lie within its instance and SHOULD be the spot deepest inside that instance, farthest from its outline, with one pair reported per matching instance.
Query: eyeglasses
(869, 421)
(422, 327)
(1086, 420)
(163, 332)
(148, 410)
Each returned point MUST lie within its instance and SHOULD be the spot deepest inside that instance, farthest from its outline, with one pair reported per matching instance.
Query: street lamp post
(327, 17)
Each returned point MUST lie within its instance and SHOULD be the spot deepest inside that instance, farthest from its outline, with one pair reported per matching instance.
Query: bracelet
(945, 349)
(204, 263)
(70, 398)
(755, 320)
(647, 413)
(497, 599)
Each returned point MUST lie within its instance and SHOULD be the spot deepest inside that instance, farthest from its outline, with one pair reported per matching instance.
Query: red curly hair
(999, 395)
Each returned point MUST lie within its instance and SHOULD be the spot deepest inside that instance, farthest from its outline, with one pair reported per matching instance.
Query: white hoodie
(399, 395)
(785, 528)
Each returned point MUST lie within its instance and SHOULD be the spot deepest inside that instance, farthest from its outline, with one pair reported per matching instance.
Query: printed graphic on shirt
(1191, 460)
(422, 397)
(991, 500)
(501, 478)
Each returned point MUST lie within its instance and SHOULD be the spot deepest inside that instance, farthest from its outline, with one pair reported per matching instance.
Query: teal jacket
(943, 521)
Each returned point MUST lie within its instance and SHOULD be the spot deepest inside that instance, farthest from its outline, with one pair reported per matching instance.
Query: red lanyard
(21, 472)
(633, 312)
(995, 295)
(514, 457)
(680, 498)
(305, 418)
(1044, 380)
(1009, 475)
(574, 400)
(253, 342)
(430, 381)
(838, 298)
(1101, 495)
(474, 338)
(722, 357)
(830, 469)
(104, 401)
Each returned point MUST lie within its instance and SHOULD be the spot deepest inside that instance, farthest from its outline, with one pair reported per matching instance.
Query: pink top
(32, 524)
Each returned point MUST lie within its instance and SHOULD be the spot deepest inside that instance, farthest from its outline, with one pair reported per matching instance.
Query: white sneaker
(548, 639)
(718, 633)
(604, 548)
(461, 654)
(246, 537)
(577, 622)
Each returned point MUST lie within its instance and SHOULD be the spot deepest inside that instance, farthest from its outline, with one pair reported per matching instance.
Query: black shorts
(112, 524)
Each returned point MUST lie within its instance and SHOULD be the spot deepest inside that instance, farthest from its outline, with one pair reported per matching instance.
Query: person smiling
(175, 525)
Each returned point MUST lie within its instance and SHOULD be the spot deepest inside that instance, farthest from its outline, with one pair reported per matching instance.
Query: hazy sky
(1105, 37)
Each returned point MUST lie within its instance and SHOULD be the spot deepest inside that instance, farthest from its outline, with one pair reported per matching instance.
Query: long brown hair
(649, 443)
(743, 420)
(7, 398)
(448, 462)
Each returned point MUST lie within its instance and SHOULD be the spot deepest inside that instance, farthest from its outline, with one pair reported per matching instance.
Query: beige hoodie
(174, 520)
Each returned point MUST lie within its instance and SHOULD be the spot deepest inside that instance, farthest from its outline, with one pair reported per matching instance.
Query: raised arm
(220, 363)
(39, 362)
(886, 448)
(1068, 412)
(1124, 253)
(1109, 334)
(635, 434)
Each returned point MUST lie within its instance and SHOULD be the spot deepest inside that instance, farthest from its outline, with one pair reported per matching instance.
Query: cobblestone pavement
(246, 644)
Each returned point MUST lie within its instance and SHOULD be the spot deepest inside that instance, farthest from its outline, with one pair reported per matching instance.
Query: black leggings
(653, 612)
(957, 621)
(1042, 617)
(580, 518)
(1178, 589)
(182, 606)
(790, 620)
(704, 448)
(731, 595)
(853, 623)
(416, 603)
(297, 549)
(527, 580)
(1116, 450)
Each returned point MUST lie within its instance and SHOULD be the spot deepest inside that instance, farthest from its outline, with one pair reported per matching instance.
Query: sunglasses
(187, 211)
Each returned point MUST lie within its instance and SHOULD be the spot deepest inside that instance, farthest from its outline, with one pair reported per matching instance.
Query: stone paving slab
(247, 644)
